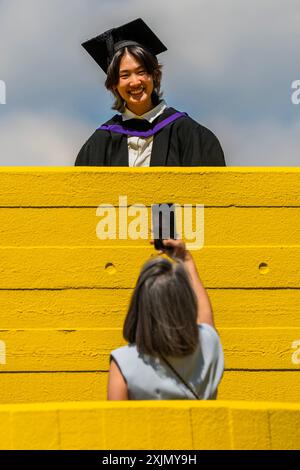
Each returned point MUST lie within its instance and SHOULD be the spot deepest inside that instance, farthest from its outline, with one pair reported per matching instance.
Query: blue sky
(230, 65)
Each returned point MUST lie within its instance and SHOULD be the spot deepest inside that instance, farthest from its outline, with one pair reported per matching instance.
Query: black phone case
(158, 244)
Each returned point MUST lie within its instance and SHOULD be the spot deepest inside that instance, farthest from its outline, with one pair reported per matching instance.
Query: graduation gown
(183, 142)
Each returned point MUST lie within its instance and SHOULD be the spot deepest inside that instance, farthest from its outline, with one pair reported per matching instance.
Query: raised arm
(179, 251)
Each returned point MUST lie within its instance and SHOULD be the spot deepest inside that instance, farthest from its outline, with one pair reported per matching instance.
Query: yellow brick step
(147, 425)
(114, 267)
(89, 187)
(102, 308)
(30, 387)
(88, 349)
(224, 226)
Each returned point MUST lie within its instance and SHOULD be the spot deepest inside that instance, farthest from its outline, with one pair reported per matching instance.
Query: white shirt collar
(149, 116)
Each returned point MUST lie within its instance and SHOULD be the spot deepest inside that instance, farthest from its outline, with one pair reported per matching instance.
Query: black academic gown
(183, 142)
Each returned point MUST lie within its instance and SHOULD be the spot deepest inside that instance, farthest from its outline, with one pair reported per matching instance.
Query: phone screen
(163, 223)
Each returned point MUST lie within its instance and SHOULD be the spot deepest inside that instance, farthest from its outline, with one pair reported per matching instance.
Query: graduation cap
(136, 33)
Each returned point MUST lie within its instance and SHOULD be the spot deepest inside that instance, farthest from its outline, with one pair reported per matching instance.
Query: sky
(230, 65)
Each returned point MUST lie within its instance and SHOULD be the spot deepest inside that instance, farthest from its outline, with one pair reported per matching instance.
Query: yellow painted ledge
(151, 425)
(91, 186)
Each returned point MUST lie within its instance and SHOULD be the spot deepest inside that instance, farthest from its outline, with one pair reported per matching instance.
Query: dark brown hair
(148, 60)
(162, 315)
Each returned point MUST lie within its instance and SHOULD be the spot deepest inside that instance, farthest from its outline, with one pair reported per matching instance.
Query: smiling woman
(146, 132)
(135, 84)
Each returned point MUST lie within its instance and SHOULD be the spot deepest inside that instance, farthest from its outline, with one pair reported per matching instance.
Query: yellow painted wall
(64, 292)
(151, 425)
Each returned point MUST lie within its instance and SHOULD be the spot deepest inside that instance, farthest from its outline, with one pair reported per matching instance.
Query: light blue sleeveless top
(150, 378)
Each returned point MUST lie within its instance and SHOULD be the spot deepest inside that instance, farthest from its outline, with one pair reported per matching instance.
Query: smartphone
(163, 224)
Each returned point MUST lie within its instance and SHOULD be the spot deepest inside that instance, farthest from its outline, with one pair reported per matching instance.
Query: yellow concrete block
(250, 186)
(102, 308)
(30, 387)
(126, 428)
(33, 387)
(88, 349)
(281, 386)
(59, 350)
(255, 308)
(285, 428)
(154, 425)
(58, 226)
(66, 308)
(81, 429)
(34, 429)
(222, 267)
(170, 426)
(211, 429)
(250, 429)
(259, 348)
(5, 431)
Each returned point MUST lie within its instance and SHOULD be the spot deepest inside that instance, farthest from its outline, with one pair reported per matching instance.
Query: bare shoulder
(117, 386)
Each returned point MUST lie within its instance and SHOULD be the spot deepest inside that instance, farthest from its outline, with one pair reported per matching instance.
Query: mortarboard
(103, 47)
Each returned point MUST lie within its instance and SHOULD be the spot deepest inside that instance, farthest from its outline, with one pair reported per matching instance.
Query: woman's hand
(175, 249)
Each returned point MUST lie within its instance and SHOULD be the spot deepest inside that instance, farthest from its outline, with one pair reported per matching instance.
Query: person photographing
(174, 351)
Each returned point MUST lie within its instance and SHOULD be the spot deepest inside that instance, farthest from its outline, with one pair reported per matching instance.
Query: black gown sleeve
(212, 152)
(199, 146)
(83, 156)
(94, 151)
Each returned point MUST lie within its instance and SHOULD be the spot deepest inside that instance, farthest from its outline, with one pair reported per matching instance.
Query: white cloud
(261, 143)
(40, 139)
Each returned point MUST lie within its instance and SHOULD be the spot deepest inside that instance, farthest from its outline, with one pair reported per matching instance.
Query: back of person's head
(162, 315)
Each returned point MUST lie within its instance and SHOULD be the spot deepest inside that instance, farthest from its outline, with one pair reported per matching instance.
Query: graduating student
(146, 132)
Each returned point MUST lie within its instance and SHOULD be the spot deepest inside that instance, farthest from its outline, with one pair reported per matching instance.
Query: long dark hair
(162, 315)
(148, 60)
